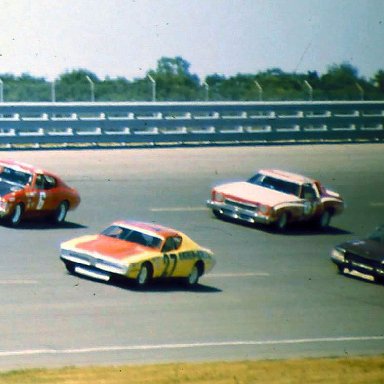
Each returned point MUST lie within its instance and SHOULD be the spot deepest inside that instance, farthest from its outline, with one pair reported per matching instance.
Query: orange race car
(138, 251)
(28, 191)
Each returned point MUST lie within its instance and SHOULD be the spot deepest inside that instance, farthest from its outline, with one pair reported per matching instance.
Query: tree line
(173, 81)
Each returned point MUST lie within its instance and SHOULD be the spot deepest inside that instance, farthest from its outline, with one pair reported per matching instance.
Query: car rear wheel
(193, 277)
(144, 275)
(324, 219)
(16, 215)
(61, 212)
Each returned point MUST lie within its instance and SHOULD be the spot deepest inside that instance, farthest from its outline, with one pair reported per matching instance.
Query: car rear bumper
(238, 213)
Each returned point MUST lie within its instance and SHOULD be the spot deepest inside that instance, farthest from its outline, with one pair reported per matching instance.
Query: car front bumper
(239, 213)
(361, 267)
(92, 266)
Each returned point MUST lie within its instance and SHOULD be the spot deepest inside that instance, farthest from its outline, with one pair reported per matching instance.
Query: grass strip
(362, 370)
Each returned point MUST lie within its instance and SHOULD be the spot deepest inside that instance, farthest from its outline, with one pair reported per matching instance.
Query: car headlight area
(337, 254)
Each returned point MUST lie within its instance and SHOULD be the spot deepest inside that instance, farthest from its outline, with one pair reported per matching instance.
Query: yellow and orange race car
(139, 251)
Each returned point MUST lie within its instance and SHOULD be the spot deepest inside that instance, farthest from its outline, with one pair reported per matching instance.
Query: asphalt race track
(270, 295)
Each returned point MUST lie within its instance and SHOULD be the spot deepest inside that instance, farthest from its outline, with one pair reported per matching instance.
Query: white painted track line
(239, 274)
(18, 282)
(377, 204)
(234, 343)
(179, 209)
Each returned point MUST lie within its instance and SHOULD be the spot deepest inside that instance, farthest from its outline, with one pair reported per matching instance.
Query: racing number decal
(42, 197)
(170, 261)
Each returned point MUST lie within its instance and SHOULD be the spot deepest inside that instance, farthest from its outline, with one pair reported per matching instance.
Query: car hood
(366, 248)
(6, 188)
(252, 193)
(107, 246)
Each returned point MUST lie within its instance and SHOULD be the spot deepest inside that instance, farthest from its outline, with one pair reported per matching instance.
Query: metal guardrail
(183, 123)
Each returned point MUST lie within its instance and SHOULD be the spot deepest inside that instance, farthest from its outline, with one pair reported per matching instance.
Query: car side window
(45, 182)
(49, 182)
(308, 192)
(39, 184)
(172, 243)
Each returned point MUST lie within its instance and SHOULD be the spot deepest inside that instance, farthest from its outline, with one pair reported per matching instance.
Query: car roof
(289, 176)
(152, 228)
(22, 166)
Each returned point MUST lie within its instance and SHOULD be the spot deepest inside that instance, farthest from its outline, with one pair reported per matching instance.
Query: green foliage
(379, 80)
(175, 82)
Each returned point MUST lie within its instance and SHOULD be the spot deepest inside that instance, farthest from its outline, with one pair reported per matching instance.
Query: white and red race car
(276, 197)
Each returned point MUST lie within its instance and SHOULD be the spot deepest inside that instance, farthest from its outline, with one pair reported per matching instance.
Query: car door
(43, 193)
(171, 256)
(311, 200)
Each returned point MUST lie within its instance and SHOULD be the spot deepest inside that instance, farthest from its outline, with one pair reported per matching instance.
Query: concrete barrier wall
(188, 122)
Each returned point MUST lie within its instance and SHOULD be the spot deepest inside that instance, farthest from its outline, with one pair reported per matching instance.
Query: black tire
(339, 269)
(324, 220)
(282, 221)
(60, 213)
(70, 267)
(16, 215)
(217, 214)
(193, 278)
(144, 276)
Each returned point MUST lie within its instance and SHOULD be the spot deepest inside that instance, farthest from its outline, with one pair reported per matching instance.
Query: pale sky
(126, 38)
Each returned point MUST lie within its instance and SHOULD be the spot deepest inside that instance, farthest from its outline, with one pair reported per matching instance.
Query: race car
(276, 197)
(28, 191)
(363, 257)
(138, 251)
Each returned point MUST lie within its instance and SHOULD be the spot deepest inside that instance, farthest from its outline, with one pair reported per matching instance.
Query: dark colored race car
(362, 257)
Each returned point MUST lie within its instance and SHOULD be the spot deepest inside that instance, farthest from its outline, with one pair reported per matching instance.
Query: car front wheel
(144, 275)
(70, 267)
(282, 221)
(217, 214)
(16, 215)
(339, 269)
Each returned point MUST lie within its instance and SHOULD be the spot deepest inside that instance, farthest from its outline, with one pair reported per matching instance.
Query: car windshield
(14, 176)
(133, 236)
(275, 184)
(377, 235)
